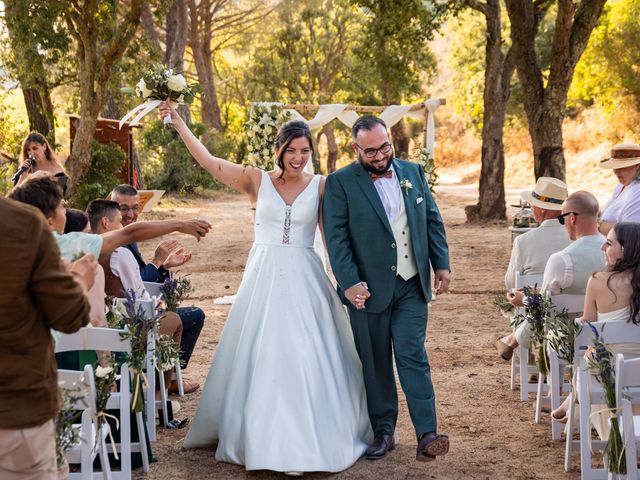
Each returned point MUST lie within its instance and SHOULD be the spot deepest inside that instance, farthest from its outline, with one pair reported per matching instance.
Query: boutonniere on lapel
(406, 184)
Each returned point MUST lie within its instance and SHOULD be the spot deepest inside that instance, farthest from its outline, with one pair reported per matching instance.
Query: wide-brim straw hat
(548, 193)
(622, 155)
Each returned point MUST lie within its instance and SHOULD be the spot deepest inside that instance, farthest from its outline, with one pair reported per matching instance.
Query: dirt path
(492, 433)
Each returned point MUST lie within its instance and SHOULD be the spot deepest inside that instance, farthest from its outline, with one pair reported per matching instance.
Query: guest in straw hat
(624, 204)
(531, 250)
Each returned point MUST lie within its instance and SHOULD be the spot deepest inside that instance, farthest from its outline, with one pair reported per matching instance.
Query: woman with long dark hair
(614, 295)
(285, 390)
(36, 155)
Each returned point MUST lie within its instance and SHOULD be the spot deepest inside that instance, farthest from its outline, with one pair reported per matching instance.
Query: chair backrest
(611, 332)
(70, 379)
(153, 288)
(627, 379)
(93, 338)
(572, 303)
(528, 280)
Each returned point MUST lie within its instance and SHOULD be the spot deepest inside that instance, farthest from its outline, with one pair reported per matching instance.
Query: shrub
(167, 164)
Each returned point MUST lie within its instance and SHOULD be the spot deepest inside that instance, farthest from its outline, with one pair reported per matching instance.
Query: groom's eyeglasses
(561, 217)
(373, 152)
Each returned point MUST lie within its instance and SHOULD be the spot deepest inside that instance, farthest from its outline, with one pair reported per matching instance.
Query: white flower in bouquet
(266, 152)
(102, 372)
(177, 83)
(256, 128)
(142, 90)
(268, 130)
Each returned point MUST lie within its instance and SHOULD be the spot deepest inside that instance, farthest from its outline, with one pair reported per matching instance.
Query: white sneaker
(175, 406)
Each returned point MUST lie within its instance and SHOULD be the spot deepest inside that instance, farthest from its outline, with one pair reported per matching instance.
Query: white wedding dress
(285, 390)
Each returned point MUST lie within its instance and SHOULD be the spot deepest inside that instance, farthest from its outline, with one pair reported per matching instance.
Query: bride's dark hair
(628, 235)
(288, 132)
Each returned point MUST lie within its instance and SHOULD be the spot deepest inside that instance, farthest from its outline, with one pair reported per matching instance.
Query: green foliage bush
(106, 171)
(167, 164)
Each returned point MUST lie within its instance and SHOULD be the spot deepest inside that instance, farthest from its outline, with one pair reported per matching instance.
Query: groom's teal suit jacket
(359, 238)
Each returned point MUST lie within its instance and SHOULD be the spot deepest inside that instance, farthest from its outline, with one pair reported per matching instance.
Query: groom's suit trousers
(399, 330)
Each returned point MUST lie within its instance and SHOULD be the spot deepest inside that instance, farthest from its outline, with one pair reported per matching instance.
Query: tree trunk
(111, 108)
(400, 140)
(39, 111)
(546, 136)
(497, 89)
(332, 147)
(210, 111)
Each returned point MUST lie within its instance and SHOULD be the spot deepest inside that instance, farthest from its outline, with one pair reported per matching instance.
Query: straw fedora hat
(622, 155)
(548, 193)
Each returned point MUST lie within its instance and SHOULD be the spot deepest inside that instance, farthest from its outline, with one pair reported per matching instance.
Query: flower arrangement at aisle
(167, 353)
(562, 330)
(157, 84)
(535, 309)
(137, 325)
(66, 435)
(264, 121)
(175, 290)
(105, 375)
(600, 362)
(503, 305)
(427, 162)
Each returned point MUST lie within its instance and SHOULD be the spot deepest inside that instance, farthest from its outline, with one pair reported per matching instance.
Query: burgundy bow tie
(387, 174)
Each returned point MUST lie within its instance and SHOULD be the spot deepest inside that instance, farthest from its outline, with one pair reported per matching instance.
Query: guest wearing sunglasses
(568, 270)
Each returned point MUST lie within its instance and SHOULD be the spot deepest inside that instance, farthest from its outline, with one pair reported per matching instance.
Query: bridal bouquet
(159, 83)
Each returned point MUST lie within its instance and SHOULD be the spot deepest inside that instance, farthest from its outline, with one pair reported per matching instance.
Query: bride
(285, 390)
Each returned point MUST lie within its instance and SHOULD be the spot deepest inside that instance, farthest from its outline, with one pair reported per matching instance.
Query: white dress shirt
(390, 194)
(124, 266)
(558, 274)
(624, 204)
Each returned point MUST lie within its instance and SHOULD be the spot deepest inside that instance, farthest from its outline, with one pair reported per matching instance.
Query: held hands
(441, 281)
(358, 294)
(516, 298)
(197, 228)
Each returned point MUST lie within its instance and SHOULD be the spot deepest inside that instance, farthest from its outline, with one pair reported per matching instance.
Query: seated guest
(37, 293)
(77, 221)
(568, 270)
(532, 249)
(168, 254)
(614, 295)
(624, 204)
(122, 273)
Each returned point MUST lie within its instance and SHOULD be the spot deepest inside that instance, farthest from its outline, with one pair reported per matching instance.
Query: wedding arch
(266, 117)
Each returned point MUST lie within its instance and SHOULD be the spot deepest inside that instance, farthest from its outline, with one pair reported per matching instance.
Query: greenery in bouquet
(175, 290)
(167, 353)
(137, 326)
(600, 362)
(562, 330)
(426, 161)
(502, 304)
(66, 435)
(535, 308)
(262, 127)
(161, 83)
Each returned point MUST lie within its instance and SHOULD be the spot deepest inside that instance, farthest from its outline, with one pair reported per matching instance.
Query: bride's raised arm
(241, 177)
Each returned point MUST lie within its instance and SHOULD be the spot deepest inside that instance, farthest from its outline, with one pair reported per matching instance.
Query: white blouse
(624, 204)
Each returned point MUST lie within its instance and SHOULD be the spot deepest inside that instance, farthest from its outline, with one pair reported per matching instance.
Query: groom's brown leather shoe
(431, 445)
(380, 446)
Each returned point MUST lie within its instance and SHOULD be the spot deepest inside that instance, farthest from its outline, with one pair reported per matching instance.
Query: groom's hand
(441, 280)
(358, 294)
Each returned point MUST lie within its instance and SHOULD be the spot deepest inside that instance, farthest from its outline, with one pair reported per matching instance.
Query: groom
(382, 229)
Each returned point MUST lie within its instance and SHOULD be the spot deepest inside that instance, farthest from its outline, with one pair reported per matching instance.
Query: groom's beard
(371, 169)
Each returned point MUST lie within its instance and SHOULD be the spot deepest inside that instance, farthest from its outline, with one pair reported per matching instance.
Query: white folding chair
(589, 392)
(92, 441)
(627, 395)
(574, 305)
(108, 339)
(153, 289)
(522, 365)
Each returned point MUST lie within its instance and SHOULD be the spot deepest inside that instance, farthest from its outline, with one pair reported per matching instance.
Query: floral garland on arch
(262, 127)
(424, 158)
